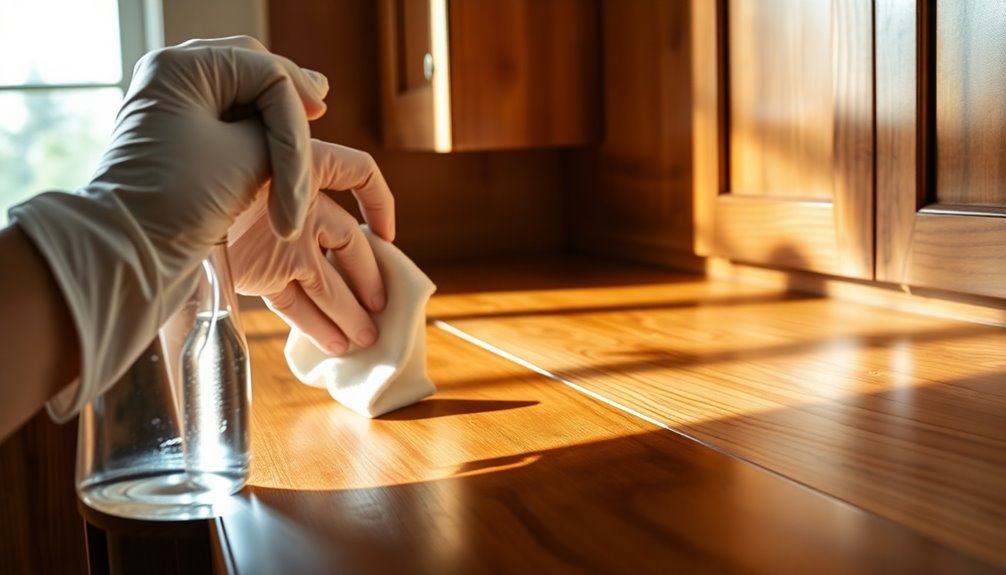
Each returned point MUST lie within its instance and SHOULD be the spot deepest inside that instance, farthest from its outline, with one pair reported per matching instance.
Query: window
(65, 67)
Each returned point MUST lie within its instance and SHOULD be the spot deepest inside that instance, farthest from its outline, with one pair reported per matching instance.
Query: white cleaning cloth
(391, 373)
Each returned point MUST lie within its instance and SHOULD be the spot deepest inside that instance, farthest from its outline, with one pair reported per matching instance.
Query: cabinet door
(941, 143)
(783, 133)
(415, 97)
(476, 75)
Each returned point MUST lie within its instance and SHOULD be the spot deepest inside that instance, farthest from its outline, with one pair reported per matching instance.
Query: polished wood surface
(970, 95)
(709, 121)
(937, 303)
(524, 73)
(783, 112)
(898, 414)
(798, 235)
(781, 103)
(900, 189)
(507, 471)
(924, 117)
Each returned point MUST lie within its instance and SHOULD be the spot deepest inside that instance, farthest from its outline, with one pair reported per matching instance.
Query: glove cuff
(108, 273)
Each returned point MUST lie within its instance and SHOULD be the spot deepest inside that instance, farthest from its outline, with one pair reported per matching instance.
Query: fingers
(323, 307)
(340, 168)
(312, 87)
(319, 302)
(329, 292)
(297, 310)
(339, 232)
(239, 71)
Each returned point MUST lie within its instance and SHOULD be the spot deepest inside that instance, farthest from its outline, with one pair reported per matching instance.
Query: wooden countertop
(507, 470)
(900, 414)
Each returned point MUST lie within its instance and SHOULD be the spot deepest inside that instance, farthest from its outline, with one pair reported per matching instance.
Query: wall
(185, 19)
(629, 198)
(632, 197)
(448, 206)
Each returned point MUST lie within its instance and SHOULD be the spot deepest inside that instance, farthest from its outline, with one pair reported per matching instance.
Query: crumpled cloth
(390, 374)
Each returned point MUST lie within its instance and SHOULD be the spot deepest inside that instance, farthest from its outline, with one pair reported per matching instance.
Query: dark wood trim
(926, 74)
(722, 95)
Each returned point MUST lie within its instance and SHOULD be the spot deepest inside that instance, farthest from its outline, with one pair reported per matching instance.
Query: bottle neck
(215, 296)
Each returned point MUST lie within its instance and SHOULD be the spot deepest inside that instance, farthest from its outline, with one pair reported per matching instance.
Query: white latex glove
(125, 249)
(295, 278)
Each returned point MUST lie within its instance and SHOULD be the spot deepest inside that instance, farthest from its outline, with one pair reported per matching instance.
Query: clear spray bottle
(215, 386)
(170, 440)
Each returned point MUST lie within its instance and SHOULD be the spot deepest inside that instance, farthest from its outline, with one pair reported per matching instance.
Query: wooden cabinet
(783, 133)
(941, 143)
(489, 74)
(40, 529)
(785, 160)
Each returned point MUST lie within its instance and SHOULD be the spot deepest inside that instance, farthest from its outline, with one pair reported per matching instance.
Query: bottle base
(167, 495)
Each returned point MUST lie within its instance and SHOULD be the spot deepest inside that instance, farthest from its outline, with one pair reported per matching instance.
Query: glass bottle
(215, 384)
(170, 439)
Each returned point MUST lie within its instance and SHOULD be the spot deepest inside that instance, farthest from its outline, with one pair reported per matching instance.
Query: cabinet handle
(428, 66)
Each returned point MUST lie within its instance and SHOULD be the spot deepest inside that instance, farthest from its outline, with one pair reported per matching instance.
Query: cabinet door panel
(525, 73)
(412, 105)
(780, 98)
(941, 143)
(971, 102)
(479, 75)
(783, 133)
(412, 23)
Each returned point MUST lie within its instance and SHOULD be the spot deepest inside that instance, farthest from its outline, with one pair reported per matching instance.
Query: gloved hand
(125, 249)
(295, 278)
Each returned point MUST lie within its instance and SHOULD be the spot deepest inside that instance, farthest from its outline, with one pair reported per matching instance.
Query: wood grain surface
(970, 92)
(40, 530)
(902, 415)
(505, 470)
(505, 74)
(524, 73)
(782, 106)
(940, 74)
(900, 185)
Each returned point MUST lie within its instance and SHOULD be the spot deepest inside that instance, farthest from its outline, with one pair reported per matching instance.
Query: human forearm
(39, 351)
(125, 247)
(91, 275)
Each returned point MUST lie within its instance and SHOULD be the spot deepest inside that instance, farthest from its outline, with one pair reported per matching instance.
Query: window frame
(139, 32)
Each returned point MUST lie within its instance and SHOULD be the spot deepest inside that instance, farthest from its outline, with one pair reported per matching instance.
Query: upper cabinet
(783, 133)
(490, 74)
(941, 144)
